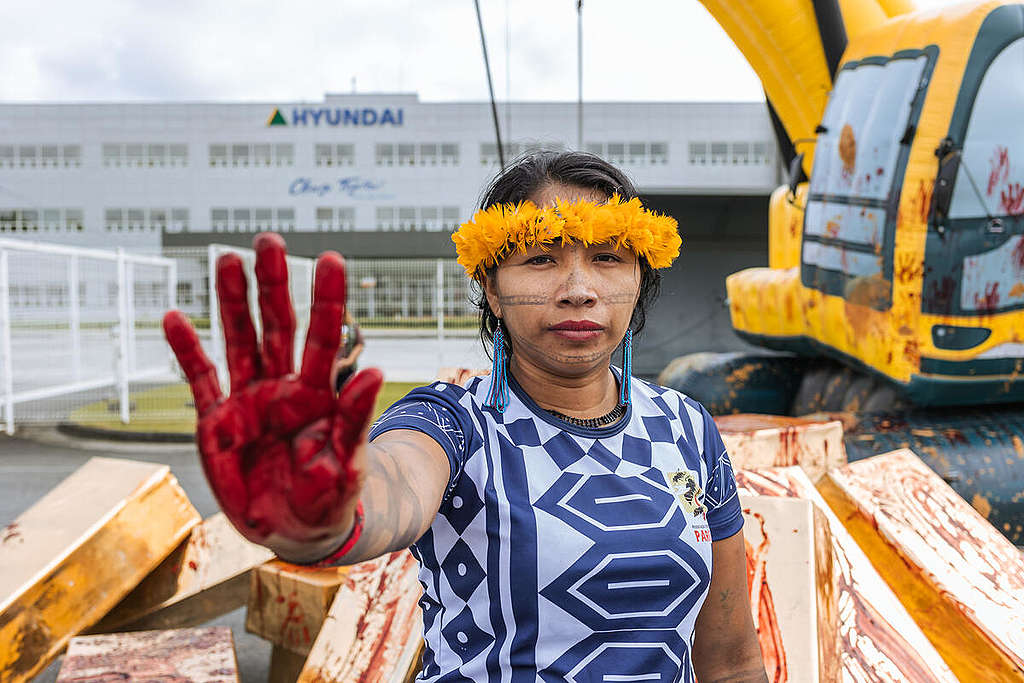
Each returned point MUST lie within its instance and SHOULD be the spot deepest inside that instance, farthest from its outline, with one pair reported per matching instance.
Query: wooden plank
(196, 655)
(288, 603)
(373, 633)
(755, 441)
(878, 639)
(945, 558)
(285, 665)
(77, 552)
(206, 576)
(792, 588)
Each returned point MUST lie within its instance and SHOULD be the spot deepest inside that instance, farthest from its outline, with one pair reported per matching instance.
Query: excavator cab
(903, 256)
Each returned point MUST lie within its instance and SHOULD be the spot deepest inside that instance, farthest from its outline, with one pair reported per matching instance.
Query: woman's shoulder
(667, 398)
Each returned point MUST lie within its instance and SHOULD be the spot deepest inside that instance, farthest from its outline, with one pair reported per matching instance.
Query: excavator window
(859, 162)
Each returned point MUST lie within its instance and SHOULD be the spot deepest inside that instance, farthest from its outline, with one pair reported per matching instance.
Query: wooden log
(792, 588)
(285, 665)
(77, 552)
(374, 632)
(953, 570)
(206, 576)
(196, 655)
(878, 639)
(755, 441)
(288, 603)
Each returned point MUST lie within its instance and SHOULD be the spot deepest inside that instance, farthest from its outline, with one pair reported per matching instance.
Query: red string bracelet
(353, 536)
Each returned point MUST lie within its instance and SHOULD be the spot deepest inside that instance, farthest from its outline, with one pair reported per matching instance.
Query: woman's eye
(607, 258)
(540, 259)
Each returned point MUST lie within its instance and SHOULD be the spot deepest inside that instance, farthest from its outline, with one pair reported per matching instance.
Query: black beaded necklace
(591, 422)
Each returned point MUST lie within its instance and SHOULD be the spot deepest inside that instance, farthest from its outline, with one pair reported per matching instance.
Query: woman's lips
(577, 330)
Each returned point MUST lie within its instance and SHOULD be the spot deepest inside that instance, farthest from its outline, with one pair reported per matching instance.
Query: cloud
(299, 49)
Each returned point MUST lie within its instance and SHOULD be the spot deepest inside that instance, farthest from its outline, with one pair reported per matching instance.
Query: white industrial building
(131, 174)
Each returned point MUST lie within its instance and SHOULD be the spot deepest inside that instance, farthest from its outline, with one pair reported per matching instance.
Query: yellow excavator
(897, 248)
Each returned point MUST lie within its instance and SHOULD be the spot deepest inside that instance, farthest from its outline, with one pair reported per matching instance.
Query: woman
(572, 522)
(349, 350)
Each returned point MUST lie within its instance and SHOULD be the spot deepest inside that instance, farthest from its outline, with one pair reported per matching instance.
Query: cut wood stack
(792, 591)
(755, 441)
(951, 569)
(878, 639)
(195, 655)
(76, 553)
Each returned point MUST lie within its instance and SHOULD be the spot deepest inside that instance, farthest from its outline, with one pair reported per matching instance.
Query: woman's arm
(725, 648)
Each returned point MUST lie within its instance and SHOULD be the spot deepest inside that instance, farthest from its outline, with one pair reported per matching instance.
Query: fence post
(5, 311)
(75, 313)
(172, 302)
(440, 312)
(216, 346)
(122, 341)
(129, 287)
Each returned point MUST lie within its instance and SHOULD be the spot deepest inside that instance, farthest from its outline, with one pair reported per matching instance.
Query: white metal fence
(81, 340)
(75, 321)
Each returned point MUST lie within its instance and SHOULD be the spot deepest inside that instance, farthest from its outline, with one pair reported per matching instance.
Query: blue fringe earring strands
(627, 368)
(497, 397)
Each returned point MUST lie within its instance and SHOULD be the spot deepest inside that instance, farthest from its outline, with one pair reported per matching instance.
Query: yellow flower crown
(503, 228)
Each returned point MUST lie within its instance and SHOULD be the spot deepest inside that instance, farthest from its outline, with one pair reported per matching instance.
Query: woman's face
(566, 308)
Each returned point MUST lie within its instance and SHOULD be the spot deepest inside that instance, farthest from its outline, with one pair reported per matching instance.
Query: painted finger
(275, 305)
(201, 374)
(241, 347)
(355, 409)
(325, 319)
(220, 440)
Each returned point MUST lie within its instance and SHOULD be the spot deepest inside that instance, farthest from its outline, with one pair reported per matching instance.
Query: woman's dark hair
(532, 172)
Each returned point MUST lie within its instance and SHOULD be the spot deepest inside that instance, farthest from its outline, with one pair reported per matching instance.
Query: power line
(490, 86)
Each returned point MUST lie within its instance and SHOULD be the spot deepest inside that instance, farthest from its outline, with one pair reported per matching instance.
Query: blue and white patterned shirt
(562, 553)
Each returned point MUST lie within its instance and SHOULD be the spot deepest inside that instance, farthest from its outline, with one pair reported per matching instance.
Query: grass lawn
(169, 409)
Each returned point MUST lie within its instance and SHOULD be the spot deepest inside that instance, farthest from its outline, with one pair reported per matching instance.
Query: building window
(450, 217)
(26, 156)
(113, 220)
(595, 148)
(261, 155)
(136, 219)
(179, 220)
(449, 154)
(49, 156)
(240, 155)
(637, 152)
(406, 154)
(157, 220)
(761, 153)
(324, 219)
(178, 155)
(719, 153)
(286, 219)
(698, 152)
(385, 218)
(284, 154)
(51, 220)
(741, 153)
(219, 219)
(617, 152)
(218, 155)
(156, 155)
(428, 154)
(384, 154)
(74, 220)
(659, 153)
(262, 219)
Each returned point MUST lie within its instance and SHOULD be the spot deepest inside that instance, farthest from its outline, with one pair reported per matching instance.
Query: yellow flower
(500, 229)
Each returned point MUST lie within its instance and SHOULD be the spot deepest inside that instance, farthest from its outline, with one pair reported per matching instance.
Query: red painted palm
(282, 453)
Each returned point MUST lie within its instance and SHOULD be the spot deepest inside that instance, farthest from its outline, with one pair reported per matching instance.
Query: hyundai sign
(337, 117)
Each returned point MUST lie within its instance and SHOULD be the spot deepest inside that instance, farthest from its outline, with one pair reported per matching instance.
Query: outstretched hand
(283, 454)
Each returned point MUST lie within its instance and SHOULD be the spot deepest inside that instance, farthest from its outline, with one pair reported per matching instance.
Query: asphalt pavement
(29, 467)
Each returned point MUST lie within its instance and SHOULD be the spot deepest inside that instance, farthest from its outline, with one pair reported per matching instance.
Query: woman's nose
(577, 289)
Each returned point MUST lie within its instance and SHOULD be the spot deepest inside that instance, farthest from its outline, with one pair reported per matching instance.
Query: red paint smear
(769, 633)
(991, 299)
(1011, 200)
(192, 565)
(1000, 168)
(1018, 253)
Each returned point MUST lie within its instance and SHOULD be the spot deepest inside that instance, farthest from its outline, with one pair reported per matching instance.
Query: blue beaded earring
(497, 397)
(627, 368)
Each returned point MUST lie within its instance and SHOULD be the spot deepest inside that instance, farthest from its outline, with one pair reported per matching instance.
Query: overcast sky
(284, 50)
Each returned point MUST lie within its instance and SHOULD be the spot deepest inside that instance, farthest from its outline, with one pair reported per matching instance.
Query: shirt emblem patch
(687, 490)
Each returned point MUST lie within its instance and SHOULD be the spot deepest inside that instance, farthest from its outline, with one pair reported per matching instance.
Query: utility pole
(490, 86)
(579, 74)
